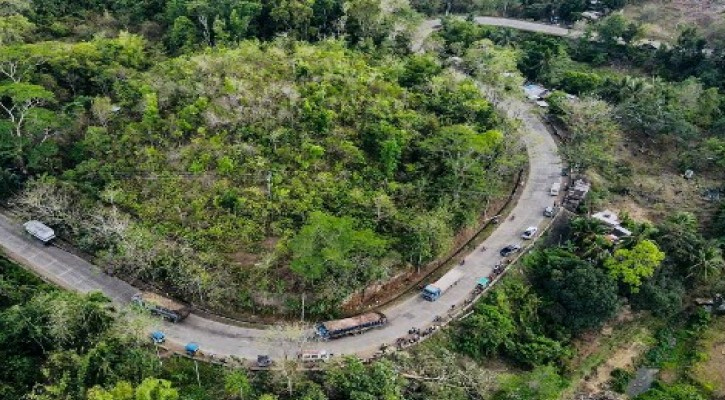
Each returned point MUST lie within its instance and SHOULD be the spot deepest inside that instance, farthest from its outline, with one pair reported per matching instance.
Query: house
(535, 92)
(608, 217)
(611, 219)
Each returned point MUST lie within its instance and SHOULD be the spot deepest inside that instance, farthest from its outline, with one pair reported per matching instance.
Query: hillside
(239, 175)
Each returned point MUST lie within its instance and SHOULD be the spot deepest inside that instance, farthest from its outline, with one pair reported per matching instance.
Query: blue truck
(436, 289)
(350, 326)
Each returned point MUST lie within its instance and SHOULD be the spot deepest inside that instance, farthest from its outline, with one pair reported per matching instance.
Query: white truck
(555, 188)
(40, 231)
(436, 289)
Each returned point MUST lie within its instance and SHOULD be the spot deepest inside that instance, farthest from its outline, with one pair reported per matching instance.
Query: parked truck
(350, 326)
(555, 188)
(167, 308)
(40, 231)
(436, 289)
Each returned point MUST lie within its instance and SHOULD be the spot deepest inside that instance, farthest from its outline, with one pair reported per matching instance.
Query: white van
(40, 231)
(555, 187)
(314, 356)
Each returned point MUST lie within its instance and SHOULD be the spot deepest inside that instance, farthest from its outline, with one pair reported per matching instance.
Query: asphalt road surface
(72, 272)
(428, 26)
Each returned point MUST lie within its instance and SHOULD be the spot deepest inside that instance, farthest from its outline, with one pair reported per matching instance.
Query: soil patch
(619, 344)
(664, 18)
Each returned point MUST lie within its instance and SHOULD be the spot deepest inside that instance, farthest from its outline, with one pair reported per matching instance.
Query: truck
(167, 308)
(40, 231)
(350, 326)
(436, 289)
(555, 188)
(313, 356)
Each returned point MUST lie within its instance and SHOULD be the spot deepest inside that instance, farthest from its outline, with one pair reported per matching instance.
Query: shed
(609, 218)
(534, 91)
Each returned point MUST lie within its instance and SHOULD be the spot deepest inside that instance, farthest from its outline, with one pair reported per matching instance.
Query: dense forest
(238, 154)
(251, 169)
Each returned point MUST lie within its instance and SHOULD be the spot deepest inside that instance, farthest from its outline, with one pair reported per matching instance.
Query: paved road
(427, 27)
(74, 273)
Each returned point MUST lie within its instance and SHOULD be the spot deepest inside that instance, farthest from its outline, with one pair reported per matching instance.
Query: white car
(529, 232)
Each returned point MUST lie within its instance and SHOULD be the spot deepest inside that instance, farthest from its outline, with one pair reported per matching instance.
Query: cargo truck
(350, 326)
(167, 308)
(435, 290)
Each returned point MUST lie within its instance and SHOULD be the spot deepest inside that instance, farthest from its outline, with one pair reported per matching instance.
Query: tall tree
(632, 265)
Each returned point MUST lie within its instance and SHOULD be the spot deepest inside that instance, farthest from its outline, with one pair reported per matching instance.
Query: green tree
(156, 389)
(543, 383)
(707, 262)
(494, 65)
(680, 391)
(485, 332)
(632, 265)
(351, 379)
(582, 296)
(333, 249)
(428, 235)
(236, 384)
(588, 237)
(23, 101)
(14, 29)
(293, 16)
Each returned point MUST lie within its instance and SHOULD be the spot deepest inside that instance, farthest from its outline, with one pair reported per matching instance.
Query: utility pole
(303, 307)
(196, 367)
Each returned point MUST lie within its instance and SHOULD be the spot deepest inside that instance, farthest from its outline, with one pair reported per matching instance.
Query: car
(550, 211)
(529, 232)
(263, 361)
(510, 249)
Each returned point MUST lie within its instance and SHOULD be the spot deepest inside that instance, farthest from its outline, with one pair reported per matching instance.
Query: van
(40, 231)
(314, 356)
(555, 187)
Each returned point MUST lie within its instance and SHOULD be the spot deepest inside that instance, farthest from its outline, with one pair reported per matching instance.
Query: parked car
(529, 232)
(550, 211)
(40, 231)
(263, 361)
(510, 249)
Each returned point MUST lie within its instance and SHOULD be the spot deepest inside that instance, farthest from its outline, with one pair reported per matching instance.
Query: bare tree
(290, 339)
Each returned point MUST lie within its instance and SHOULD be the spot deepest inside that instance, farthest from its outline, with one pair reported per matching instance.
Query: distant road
(72, 272)
(428, 26)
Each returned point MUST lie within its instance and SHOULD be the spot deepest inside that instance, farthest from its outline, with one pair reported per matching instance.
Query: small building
(611, 219)
(535, 92)
(592, 15)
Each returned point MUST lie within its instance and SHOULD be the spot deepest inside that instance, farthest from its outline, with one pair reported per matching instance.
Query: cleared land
(665, 18)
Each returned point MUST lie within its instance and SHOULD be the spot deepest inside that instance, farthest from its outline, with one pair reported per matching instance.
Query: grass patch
(709, 368)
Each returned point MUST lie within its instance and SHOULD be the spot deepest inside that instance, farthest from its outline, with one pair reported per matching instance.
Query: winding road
(74, 273)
